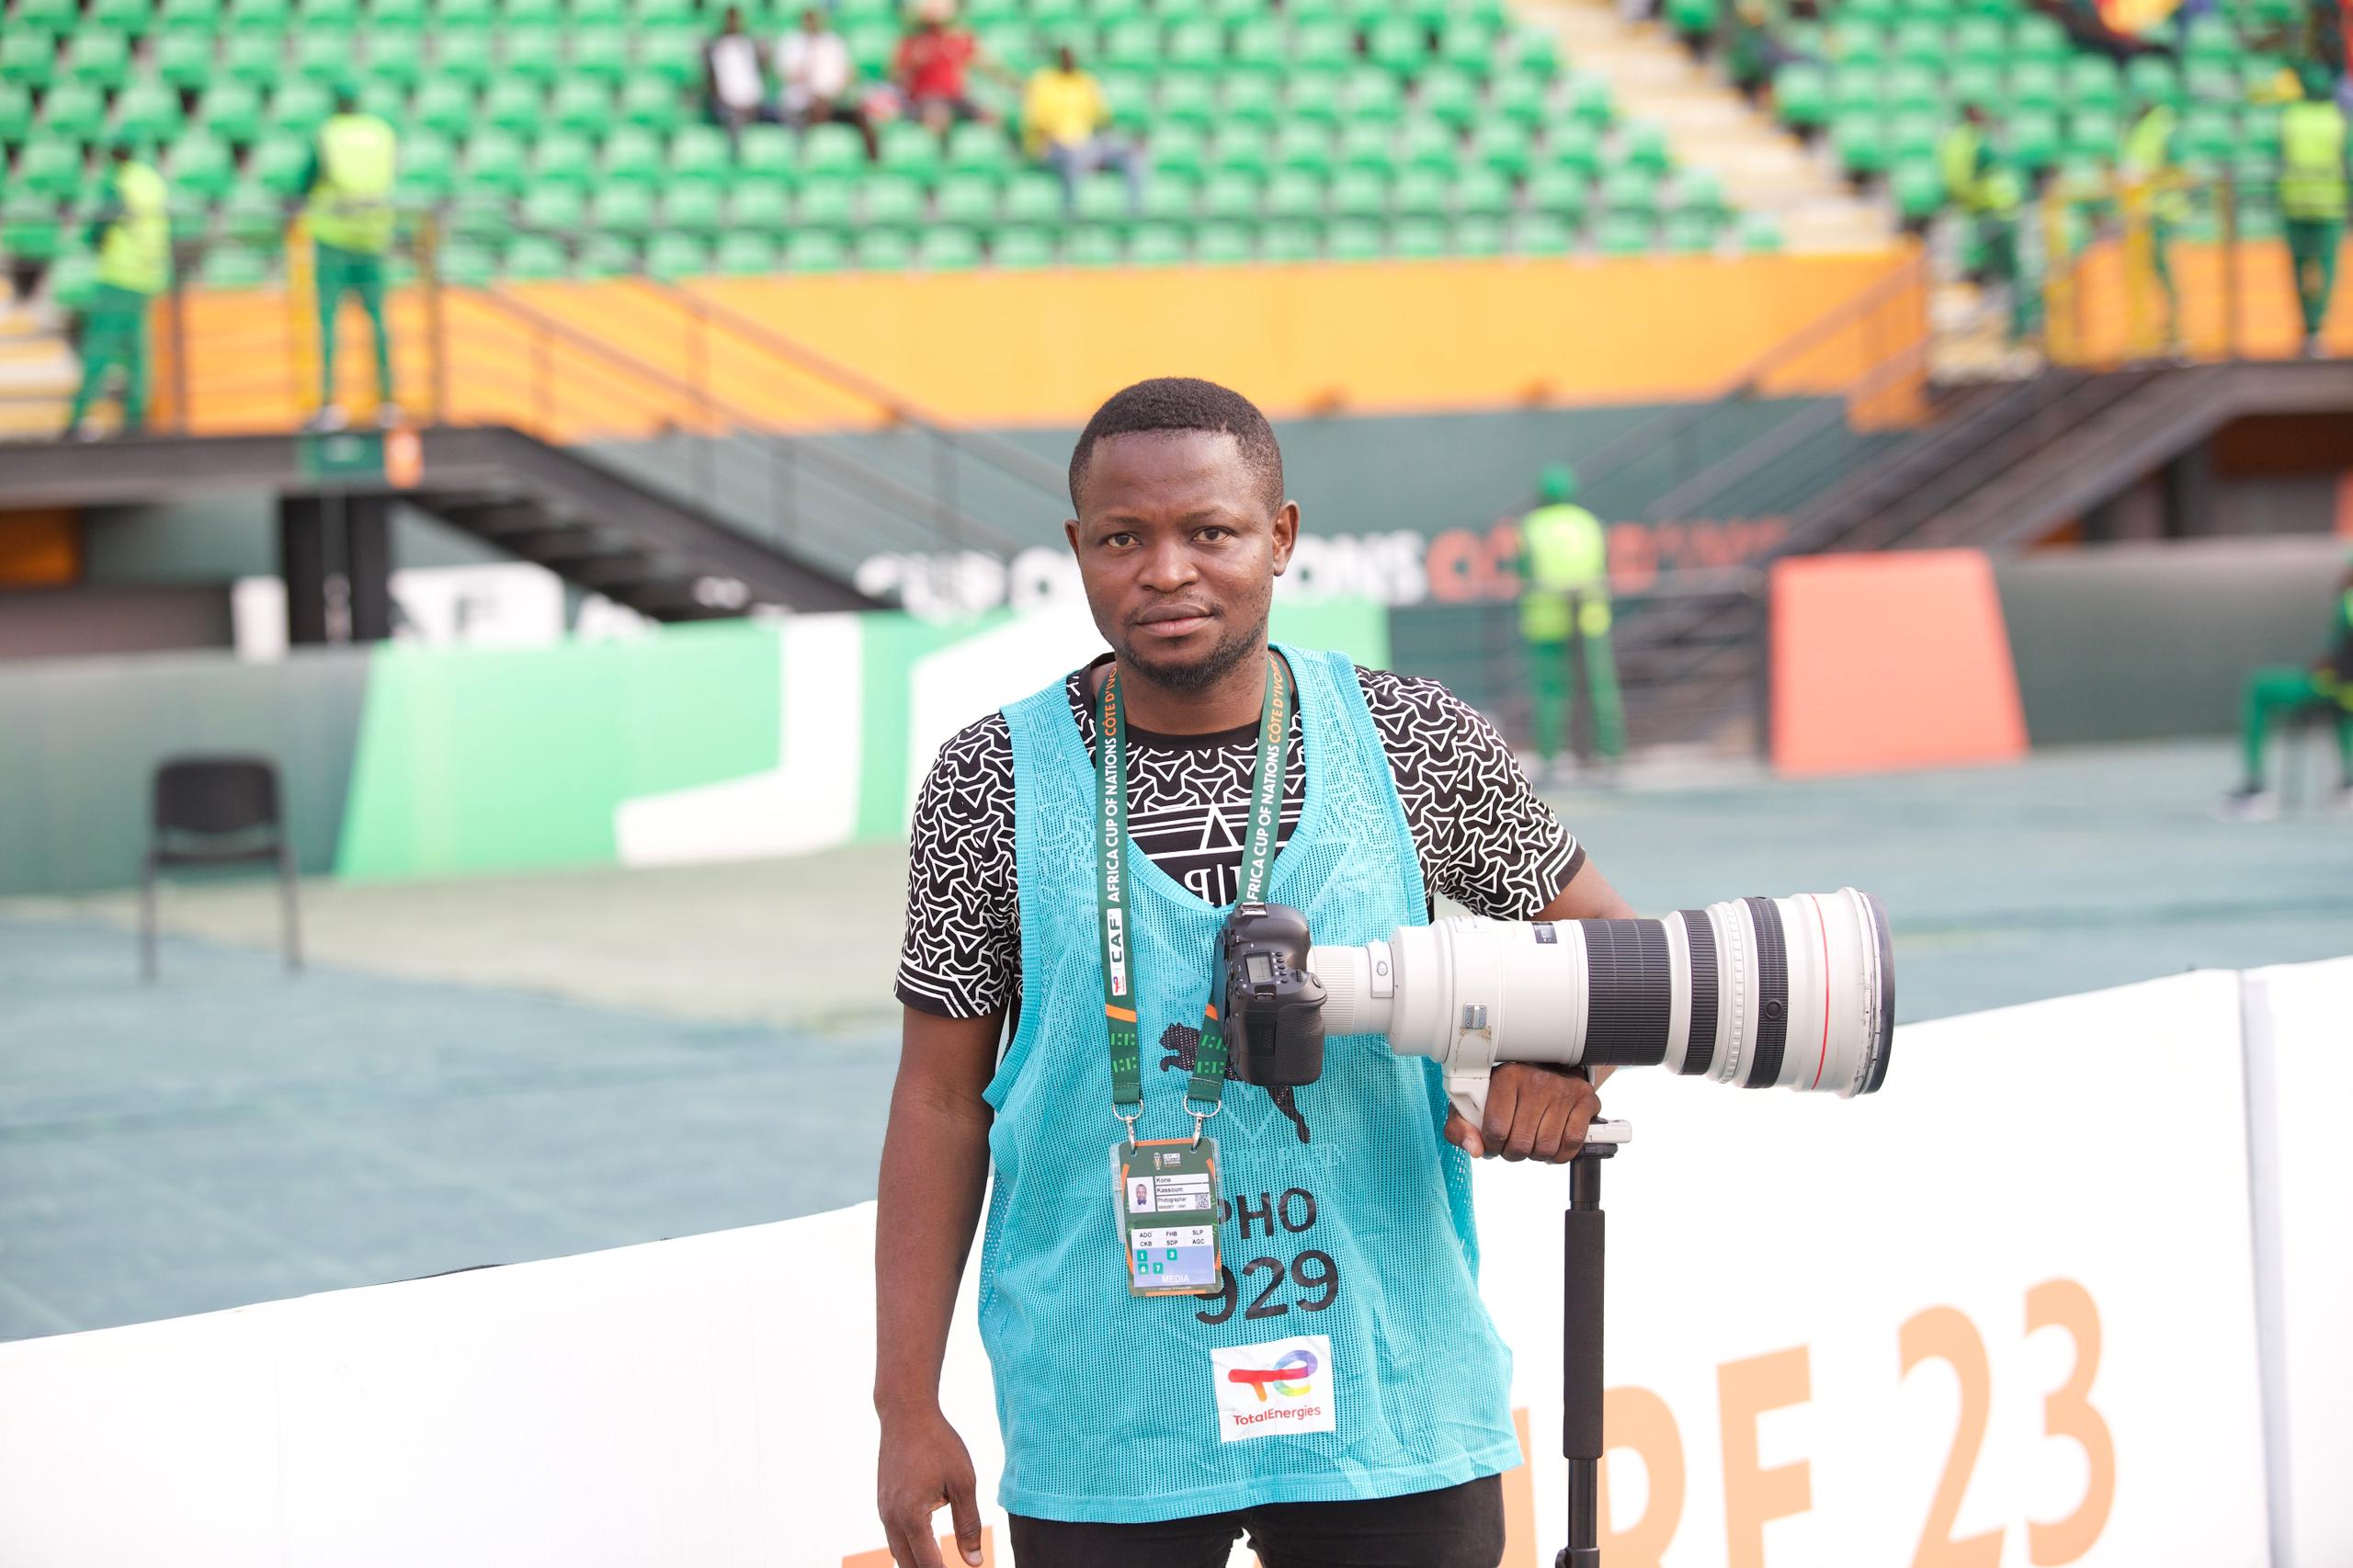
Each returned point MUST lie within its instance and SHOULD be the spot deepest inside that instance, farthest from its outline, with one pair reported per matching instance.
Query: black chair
(216, 810)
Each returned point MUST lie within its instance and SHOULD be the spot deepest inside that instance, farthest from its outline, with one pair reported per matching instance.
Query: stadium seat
(74, 109)
(623, 208)
(1021, 249)
(746, 254)
(534, 257)
(554, 209)
(673, 257)
(27, 56)
(607, 255)
(98, 56)
(945, 248)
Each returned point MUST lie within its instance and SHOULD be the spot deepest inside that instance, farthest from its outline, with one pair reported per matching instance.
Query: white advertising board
(2003, 1309)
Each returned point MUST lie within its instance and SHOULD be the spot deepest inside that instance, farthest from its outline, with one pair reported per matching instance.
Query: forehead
(1148, 470)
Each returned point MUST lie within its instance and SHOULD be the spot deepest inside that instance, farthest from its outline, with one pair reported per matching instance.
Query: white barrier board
(2045, 1215)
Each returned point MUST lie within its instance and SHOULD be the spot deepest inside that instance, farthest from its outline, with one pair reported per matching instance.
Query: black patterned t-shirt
(1482, 837)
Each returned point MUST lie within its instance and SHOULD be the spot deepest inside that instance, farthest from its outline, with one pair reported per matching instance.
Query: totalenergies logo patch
(1288, 1376)
(1286, 1386)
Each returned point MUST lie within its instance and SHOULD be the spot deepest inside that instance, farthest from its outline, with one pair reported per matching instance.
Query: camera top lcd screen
(1260, 967)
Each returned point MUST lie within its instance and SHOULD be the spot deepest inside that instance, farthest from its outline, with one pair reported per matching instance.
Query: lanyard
(1110, 845)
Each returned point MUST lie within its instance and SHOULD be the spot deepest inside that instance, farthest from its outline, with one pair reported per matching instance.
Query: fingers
(1582, 1110)
(1547, 1143)
(965, 1510)
(1463, 1135)
(1503, 1111)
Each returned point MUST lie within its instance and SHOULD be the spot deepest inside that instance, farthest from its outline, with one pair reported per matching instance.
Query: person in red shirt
(931, 66)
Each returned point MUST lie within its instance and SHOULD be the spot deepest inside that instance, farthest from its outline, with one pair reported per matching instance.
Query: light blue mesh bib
(1116, 1409)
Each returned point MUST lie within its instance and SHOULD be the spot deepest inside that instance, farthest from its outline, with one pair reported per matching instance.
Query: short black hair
(1185, 403)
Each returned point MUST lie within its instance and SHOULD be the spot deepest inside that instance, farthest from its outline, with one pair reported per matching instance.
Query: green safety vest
(351, 206)
(2147, 155)
(2312, 162)
(136, 253)
(1567, 552)
(1960, 157)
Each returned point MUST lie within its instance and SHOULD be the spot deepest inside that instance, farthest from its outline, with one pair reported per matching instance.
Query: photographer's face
(1179, 552)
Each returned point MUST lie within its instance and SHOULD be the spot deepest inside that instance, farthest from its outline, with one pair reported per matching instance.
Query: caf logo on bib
(1285, 1385)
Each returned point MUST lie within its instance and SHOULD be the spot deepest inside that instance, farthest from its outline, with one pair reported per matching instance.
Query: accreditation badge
(1167, 1208)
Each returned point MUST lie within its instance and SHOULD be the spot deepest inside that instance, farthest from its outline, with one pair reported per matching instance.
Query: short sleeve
(1485, 838)
(961, 955)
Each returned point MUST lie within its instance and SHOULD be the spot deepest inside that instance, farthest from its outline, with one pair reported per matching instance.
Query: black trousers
(1457, 1527)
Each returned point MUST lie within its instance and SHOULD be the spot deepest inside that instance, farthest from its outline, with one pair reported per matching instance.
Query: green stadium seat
(2212, 38)
(764, 205)
(826, 204)
(1694, 18)
(1535, 52)
(554, 209)
(2152, 78)
(256, 59)
(1520, 99)
(49, 15)
(327, 17)
(883, 250)
(947, 248)
(1255, 99)
(444, 107)
(1561, 192)
(1192, 45)
(1857, 45)
(1103, 203)
(1224, 244)
(1980, 41)
(1421, 193)
(1397, 45)
(969, 200)
(514, 105)
(2038, 38)
(534, 258)
(1258, 45)
(607, 255)
(2092, 134)
(300, 108)
(1302, 147)
(602, 54)
(49, 167)
(1322, 48)
(1484, 193)
(625, 209)
(1630, 191)
(1357, 193)
(1625, 234)
(673, 257)
(75, 109)
(2036, 87)
(911, 151)
(1468, 46)
(1858, 89)
(1478, 237)
(564, 157)
(397, 15)
(1644, 147)
(1240, 151)
(484, 215)
(809, 255)
(1447, 94)
(1290, 240)
(1505, 147)
(1971, 82)
(1293, 195)
(261, 15)
(1356, 239)
(278, 161)
(694, 207)
(1106, 13)
(654, 105)
(1368, 147)
(462, 263)
(428, 168)
(584, 106)
(666, 13)
(145, 113)
(1032, 199)
(2032, 139)
(1022, 249)
(2208, 135)
(829, 151)
(1092, 247)
(1370, 95)
(1683, 233)
(701, 153)
(15, 112)
(1132, 43)
(534, 54)
(1915, 89)
(1189, 100)
(1921, 43)
(188, 16)
(1590, 102)
(388, 101)
(599, 13)
(1158, 244)
(1541, 233)
(892, 200)
(1857, 139)
(465, 13)
(394, 57)
(2093, 82)
(495, 161)
(1802, 95)
(2210, 81)
(1916, 188)
(232, 266)
(465, 54)
(98, 56)
(1425, 144)
(1576, 147)
(976, 150)
(30, 229)
(532, 13)
(184, 60)
(253, 216)
(1226, 195)
(2259, 134)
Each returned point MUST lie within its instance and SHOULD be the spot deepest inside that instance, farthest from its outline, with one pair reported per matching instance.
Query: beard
(1236, 647)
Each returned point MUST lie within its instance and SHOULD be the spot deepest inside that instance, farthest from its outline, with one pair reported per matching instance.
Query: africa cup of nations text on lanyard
(1167, 1187)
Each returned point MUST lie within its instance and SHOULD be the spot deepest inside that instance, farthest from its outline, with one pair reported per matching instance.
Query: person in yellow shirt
(132, 232)
(1065, 125)
(1564, 613)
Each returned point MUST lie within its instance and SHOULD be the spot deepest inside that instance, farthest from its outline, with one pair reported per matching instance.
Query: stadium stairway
(38, 371)
(585, 521)
(1710, 126)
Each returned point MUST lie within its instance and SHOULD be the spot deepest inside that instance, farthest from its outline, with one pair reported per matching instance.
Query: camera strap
(1120, 991)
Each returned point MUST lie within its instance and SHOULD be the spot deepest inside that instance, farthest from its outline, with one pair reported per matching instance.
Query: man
(1564, 602)
(1989, 197)
(1064, 122)
(1117, 1439)
(2149, 163)
(2277, 692)
(134, 235)
(815, 77)
(734, 90)
(350, 215)
(2313, 197)
(931, 65)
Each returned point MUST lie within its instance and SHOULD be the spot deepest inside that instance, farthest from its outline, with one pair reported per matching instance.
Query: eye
(1119, 540)
(1216, 533)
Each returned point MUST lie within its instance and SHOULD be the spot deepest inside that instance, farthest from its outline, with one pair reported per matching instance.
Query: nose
(1168, 565)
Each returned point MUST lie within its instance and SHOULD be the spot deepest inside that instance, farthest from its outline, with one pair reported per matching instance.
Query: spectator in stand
(734, 84)
(931, 66)
(132, 232)
(1065, 124)
(816, 82)
(2313, 199)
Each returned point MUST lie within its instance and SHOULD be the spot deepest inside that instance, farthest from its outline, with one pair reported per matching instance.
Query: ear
(1286, 535)
(1069, 532)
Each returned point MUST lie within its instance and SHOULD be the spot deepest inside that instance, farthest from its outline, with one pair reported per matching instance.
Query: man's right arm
(935, 1169)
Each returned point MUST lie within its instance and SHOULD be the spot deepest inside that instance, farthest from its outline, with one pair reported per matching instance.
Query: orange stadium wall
(581, 361)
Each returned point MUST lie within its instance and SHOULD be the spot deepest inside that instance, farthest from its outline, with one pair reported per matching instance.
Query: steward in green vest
(2311, 196)
(1565, 611)
(2148, 159)
(1989, 197)
(2277, 691)
(132, 232)
(351, 221)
